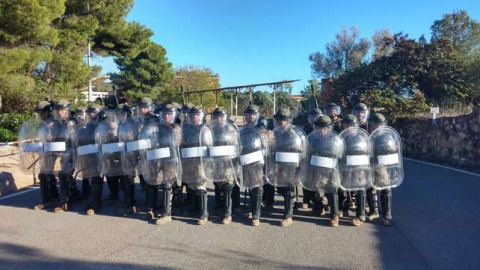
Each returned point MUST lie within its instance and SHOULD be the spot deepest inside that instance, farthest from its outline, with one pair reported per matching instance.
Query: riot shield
(57, 154)
(324, 149)
(222, 159)
(86, 151)
(356, 172)
(287, 158)
(29, 147)
(196, 139)
(128, 135)
(160, 163)
(110, 149)
(386, 160)
(253, 153)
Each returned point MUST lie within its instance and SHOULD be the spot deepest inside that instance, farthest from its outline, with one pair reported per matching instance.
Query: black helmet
(111, 102)
(94, 108)
(171, 110)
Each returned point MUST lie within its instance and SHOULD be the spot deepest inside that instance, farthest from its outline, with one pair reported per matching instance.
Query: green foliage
(342, 55)
(195, 78)
(43, 45)
(147, 74)
(414, 76)
(310, 99)
(10, 124)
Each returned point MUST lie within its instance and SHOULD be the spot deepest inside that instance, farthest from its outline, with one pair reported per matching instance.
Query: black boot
(86, 188)
(361, 200)
(203, 204)
(152, 197)
(386, 200)
(166, 207)
(289, 198)
(227, 203)
(96, 195)
(256, 199)
(236, 208)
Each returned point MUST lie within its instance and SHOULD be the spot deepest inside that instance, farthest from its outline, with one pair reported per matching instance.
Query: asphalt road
(436, 225)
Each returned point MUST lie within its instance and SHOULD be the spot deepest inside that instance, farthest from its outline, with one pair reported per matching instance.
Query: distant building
(95, 95)
(297, 97)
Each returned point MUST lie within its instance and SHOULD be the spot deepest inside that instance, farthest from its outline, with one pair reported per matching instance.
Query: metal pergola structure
(235, 90)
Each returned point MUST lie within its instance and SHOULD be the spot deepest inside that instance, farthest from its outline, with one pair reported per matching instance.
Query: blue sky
(247, 41)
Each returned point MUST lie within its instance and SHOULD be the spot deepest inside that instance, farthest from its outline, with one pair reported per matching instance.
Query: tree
(194, 78)
(414, 75)
(308, 101)
(460, 30)
(382, 43)
(147, 74)
(43, 44)
(341, 55)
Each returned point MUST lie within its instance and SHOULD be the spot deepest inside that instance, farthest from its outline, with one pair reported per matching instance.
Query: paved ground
(436, 225)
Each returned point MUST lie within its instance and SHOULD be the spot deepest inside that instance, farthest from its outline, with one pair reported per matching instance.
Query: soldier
(287, 160)
(48, 187)
(224, 157)
(253, 160)
(334, 112)
(325, 148)
(362, 112)
(81, 115)
(195, 141)
(87, 158)
(386, 162)
(355, 166)
(309, 195)
(160, 162)
(67, 126)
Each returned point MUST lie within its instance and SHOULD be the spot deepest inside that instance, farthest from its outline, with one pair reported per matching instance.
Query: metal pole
(231, 103)
(274, 102)
(88, 62)
(236, 106)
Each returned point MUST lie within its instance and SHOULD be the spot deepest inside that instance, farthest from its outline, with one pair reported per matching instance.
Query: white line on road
(445, 167)
(18, 193)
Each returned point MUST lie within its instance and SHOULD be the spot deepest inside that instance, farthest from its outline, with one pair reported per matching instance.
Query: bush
(10, 124)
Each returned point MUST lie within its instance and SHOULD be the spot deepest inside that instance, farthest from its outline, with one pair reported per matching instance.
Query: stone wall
(11, 178)
(449, 140)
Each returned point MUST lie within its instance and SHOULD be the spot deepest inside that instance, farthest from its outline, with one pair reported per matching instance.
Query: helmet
(361, 111)
(93, 112)
(333, 110)
(251, 114)
(323, 121)
(196, 115)
(62, 110)
(313, 115)
(350, 121)
(43, 106)
(168, 114)
(220, 115)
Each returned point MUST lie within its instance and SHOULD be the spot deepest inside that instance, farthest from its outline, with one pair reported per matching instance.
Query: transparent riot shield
(57, 154)
(222, 159)
(356, 172)
(287, 158)
(386, 159)
(196, 139)
(86, 151)
(29, 147)
(324, 149)
(253, 154)
(160, 163)
(128, 133)
(110, 149)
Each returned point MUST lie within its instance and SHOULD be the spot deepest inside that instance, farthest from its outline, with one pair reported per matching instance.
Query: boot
(334, 221)
(152, 196)
(227, 202)
(256, 200)
(236, 208)
(361, 205)
(86, 188)
(96, 193)
(386, 200)
(289, 198)
(333, 202)
(373, 214)
(61, 208)
(318, 207)
(166, 197)
(202, 203)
